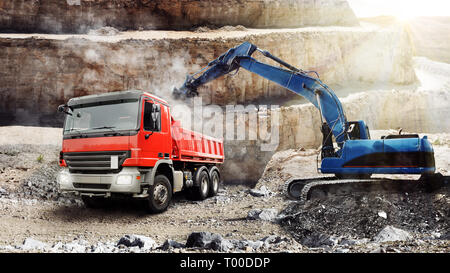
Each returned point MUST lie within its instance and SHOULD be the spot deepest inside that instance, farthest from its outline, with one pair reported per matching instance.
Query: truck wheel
(201, 191)
(214, 183)
(159, 194)
(94, 202)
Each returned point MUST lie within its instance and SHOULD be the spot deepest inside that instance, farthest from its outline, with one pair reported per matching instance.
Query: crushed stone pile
(30, 171)
(363, 217)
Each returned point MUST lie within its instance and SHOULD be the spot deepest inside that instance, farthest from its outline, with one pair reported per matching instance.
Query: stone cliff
(39, 73)
(79, 16)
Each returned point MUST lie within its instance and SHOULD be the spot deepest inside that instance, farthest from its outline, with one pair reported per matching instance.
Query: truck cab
(121, 143)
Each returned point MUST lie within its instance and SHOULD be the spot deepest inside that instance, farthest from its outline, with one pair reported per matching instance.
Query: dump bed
(192, 146)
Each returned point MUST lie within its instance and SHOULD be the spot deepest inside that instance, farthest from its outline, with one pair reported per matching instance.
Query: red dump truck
(127, 144)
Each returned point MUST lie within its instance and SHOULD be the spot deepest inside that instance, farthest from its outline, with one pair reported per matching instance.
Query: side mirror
(156, 108)
(64, 109)
(156, 112)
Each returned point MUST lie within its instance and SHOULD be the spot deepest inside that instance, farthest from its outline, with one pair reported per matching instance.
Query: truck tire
(159, 195)
(201, 191)
(214, 183)
(94, 202)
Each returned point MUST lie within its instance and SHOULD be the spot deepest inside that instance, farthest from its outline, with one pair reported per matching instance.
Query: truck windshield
(105, 116)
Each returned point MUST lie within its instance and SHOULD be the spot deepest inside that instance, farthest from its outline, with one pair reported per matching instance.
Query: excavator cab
(357, 130)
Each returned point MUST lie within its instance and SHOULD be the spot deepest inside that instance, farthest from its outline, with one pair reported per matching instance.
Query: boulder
(262, 214)
(137, 240)
(262, 192)
(392, 234)
(168, 244)
(207, 240)
(31, 244)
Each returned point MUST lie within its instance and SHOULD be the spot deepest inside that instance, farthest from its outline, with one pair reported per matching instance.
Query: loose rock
(137, 240)
(168, 244)
(262, 214)
(208, 240)
(3, 192)
(392, 234)
(33, 244)
(316, 239)
(262, 192)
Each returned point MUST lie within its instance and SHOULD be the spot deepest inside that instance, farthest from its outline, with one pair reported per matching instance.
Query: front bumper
(126, 181)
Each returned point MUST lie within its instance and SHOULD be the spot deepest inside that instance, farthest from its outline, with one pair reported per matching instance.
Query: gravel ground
(32, 208)
(35, 217)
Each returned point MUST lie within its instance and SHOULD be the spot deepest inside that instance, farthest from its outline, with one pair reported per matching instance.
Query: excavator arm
(291, 78)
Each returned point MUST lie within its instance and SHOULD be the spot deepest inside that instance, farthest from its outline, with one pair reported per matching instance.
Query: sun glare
(403, 10)
(404, 16)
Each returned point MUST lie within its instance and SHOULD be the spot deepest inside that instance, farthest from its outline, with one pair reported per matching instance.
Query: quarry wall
(79, 16)
(41, 72)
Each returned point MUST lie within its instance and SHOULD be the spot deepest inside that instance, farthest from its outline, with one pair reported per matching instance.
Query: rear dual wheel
(200, 191)
(207, 185)
(214, 183)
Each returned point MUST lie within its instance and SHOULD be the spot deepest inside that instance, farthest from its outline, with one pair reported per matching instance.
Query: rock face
(78, 16)
(259, 13)
(41, 73)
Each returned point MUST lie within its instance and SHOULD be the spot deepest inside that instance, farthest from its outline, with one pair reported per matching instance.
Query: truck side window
(152, 117)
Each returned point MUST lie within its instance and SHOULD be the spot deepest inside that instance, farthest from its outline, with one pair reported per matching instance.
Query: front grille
(94, 162)
(92, 186)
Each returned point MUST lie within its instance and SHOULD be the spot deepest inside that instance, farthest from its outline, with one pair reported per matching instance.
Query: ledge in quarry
(42, 71)
(79, 16)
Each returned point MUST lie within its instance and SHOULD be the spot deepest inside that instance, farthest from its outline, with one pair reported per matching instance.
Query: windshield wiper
(75, 130)
(107, 127)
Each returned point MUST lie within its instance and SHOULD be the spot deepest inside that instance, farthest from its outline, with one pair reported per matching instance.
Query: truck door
(155, 139)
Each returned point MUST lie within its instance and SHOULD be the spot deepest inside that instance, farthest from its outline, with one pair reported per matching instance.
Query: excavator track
(302, 189)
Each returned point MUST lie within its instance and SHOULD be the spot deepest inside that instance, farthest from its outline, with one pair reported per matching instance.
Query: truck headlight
(63, 178)
(124, 180)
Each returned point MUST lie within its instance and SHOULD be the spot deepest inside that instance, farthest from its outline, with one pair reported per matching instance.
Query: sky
(402, 9)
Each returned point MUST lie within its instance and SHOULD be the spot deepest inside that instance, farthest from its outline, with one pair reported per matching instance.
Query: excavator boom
(291, 78)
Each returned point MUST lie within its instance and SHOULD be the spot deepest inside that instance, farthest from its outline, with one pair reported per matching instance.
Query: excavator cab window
(357, 130)
(353, 130)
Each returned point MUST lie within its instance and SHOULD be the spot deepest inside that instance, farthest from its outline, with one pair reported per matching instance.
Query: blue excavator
(347, 150)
